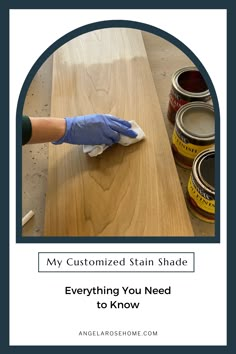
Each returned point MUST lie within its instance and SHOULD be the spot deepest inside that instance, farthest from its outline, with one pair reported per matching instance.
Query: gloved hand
(95, 129)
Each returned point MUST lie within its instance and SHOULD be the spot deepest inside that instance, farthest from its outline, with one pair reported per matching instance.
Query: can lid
(206, 169)
(197, 119)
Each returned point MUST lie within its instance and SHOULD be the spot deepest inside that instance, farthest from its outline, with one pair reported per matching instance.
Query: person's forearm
(46, 129)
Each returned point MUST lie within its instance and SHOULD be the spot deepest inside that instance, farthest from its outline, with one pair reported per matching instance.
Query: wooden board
(126, 191)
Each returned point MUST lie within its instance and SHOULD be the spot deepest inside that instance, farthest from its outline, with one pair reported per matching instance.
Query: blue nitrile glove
(95, 129)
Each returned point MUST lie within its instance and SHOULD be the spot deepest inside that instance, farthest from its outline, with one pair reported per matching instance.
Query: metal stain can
(188, 85)
(194, 131)
(201, 186)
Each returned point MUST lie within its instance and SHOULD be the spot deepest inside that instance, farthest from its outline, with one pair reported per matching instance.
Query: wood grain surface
(126, 191)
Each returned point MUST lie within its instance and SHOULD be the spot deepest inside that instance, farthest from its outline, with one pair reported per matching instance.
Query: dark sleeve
(26, 130)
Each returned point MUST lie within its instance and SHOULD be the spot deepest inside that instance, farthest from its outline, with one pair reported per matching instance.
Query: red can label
(176, 101)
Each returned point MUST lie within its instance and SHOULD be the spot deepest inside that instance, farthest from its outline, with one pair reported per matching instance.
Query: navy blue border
(112, 239)
(4, 185)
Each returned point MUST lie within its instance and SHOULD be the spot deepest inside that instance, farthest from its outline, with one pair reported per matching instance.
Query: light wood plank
(127, 191)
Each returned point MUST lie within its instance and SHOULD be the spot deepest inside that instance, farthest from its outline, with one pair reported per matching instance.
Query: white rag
(95, 150)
